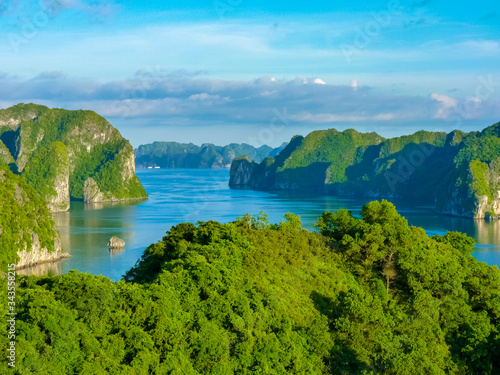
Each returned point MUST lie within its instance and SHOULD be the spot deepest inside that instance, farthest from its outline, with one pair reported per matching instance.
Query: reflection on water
(62, 220)
(177, 195)
(116, 251)
(488, 232)
(101, 205)
(50, 268)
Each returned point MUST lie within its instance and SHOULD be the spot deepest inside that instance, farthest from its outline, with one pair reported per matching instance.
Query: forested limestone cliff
(27, 234)
(458, 172)
(58, 151)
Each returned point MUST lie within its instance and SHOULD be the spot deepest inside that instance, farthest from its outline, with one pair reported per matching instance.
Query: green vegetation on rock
(5, 156)
(367, 295)
(479, 183)
(24, 215)
(458, 172)
(323, 157)
(44, 166)
(43, 141)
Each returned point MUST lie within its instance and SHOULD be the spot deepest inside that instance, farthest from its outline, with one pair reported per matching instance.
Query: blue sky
(256, 71)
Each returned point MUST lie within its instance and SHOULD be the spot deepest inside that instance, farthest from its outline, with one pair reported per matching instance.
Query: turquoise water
(179, 195)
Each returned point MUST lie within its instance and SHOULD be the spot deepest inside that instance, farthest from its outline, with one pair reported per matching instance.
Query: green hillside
(458, 172)
(25, 220)
(42, 141)
(364, 296)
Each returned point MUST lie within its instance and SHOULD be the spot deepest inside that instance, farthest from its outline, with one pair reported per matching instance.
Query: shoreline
(23, 265)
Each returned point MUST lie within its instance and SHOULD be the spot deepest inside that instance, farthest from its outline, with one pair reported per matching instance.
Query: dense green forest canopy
(23, 215)
(368, 295)
(44, 166)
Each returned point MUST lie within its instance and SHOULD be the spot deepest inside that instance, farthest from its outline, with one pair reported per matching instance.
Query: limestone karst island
(49, 158)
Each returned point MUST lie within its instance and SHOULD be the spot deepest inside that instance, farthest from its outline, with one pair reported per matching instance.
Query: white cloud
(335, 118)
(207, 97)
(447, 104)
(384, 117)
(152, 98)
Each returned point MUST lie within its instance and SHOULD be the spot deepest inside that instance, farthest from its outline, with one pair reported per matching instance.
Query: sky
(254, 71)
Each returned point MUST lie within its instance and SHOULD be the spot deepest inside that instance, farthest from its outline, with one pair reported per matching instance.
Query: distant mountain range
(458, 172)
(188, 155)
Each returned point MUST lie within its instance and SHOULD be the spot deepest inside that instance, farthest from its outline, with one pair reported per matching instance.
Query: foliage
(484, 149)
(327, 153)
(479, 184)
(457, 240)
(94, 149)
(350, 162)
(44, 166)
(394, 145)
(23, 213)
(5, 155)
(104, 164)
(453, 171)
(367, 295)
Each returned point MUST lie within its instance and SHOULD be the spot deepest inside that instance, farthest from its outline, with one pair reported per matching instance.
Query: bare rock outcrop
(242, 171)
(37, 254)
(116, 243)
(91, 192)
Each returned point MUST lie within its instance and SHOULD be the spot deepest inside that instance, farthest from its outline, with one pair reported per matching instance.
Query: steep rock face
(126, 155)
(473, 190)
(38, 254)
(27, 230)
(241, 174)
(482, 207)
(61, 201)
(487, 207)
(93, 149)
(91, 192)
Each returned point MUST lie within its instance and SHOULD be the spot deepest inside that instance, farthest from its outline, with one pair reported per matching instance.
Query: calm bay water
(180, 195)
